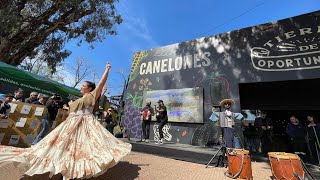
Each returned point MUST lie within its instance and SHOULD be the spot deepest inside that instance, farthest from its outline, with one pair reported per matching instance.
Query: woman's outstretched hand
(108, 66)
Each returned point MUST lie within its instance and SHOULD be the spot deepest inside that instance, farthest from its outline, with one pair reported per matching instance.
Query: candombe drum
(286, 166)
(239, 164)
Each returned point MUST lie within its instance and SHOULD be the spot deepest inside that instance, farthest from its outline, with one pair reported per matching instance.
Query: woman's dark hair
(91, 85)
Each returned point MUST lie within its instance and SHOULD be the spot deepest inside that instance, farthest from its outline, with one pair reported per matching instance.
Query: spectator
(18, 94)
(42, 99)
(100, 106)
(313, 136)
(53, 105)
(5, 107)
(33, 97)
(109, 120)
(264, 128)
(297, 132)
(121, 133)
(251, 133)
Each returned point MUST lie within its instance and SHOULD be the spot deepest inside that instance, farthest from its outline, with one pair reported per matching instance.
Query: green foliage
(30, 27)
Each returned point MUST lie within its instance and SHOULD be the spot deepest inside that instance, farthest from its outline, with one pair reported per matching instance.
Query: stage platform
(183, 152)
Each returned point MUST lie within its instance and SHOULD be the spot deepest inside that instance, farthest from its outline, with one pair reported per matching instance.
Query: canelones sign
(176, 64)
(299, 49)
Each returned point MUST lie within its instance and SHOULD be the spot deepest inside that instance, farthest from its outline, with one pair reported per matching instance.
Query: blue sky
(153, 23)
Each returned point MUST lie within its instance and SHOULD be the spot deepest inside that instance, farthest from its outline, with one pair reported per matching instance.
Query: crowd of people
(303, 138)
(53, 104)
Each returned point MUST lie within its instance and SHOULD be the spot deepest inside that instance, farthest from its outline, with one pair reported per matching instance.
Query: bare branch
(81, 70)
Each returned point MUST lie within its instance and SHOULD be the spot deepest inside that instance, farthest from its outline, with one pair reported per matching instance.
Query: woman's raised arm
(102, 81)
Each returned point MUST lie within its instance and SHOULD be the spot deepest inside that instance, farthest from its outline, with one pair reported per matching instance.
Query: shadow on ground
(122, 171)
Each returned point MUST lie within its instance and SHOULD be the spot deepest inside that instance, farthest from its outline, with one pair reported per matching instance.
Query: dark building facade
(273, 66)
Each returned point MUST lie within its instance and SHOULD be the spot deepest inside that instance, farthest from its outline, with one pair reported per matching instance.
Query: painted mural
(284, 50)
(183, 105)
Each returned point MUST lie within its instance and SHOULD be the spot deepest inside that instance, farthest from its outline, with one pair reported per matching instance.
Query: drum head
(283, 155)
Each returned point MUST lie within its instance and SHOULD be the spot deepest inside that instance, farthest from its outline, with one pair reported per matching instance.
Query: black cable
(259, 4)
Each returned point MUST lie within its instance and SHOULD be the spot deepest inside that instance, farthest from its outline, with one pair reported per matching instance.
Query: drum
(286, 165)
(239, 164)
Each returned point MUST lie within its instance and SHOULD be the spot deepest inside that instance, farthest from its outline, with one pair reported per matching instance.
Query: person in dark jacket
(250, 134)
(297, 133)
(313, 130)
(264, 129)
(109, 120)
(162, 117)
(42, 99)
(53, 105)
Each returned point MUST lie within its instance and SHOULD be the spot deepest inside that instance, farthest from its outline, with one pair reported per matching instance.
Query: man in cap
(162, 116)
(227, 121)
(147, 113)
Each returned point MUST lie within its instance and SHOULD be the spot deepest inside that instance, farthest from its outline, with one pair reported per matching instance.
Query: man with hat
(162, 116)
(227, 121)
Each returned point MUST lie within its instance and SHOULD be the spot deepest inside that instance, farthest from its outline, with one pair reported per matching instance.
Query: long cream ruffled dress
(80, 147)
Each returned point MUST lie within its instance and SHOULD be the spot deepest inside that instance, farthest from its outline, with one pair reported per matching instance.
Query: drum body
(239, 164)
(285, 165)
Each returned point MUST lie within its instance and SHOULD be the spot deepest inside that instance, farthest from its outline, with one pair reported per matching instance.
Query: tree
(38, 66)
(81, 70)
(28, 27)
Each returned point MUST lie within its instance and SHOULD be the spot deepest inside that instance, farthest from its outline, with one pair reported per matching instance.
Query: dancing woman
(78, 148)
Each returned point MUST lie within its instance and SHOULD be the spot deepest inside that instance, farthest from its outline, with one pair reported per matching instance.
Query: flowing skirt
(80, 147)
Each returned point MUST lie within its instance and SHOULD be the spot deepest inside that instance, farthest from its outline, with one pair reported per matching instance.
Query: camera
(56, 97)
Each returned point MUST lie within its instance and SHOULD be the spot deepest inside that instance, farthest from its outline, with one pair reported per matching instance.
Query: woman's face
(84, 88)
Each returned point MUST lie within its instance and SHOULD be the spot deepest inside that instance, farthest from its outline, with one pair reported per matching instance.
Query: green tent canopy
(28, 81)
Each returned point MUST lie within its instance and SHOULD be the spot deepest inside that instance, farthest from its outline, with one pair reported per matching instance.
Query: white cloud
(136, 25)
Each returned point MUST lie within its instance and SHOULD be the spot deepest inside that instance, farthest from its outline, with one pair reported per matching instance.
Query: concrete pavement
(142, 166)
